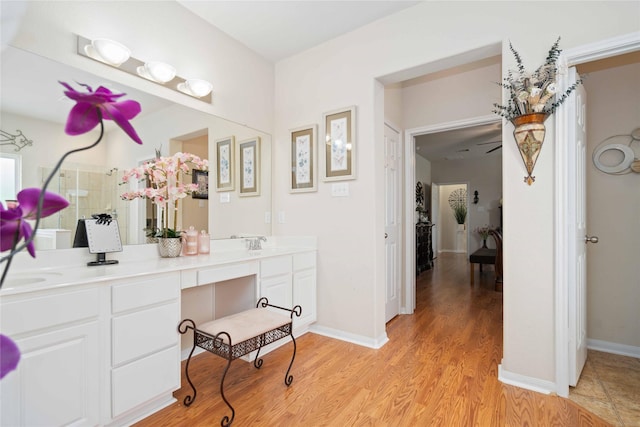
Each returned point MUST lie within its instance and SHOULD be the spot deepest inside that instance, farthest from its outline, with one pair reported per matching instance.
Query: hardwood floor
(439, 368)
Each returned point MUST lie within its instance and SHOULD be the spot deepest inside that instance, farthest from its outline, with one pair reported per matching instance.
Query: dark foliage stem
(53, 173)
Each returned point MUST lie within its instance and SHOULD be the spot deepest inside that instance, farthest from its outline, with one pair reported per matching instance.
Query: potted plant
(532, 99)
(164, 176)
(460, 213)
(484, 234)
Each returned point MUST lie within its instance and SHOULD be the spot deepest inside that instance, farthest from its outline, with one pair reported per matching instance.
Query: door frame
(562, 242)
(409, 291)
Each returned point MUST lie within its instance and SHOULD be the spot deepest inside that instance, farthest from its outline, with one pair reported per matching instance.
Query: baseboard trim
(523, 381)
(375, 343)
(612, 347)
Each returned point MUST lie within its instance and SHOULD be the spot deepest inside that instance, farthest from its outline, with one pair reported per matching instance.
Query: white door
(578, 228)
(392, 164)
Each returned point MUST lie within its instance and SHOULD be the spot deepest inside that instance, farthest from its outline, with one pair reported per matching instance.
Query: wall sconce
(119, 56)
(156, 71)
(108, 51)
(475, 197)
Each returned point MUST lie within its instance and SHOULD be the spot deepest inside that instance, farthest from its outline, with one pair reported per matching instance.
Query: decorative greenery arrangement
(533, 92)
(483, 231)
(460, 213)
(458, 202)
(90, 110)
(164, 177)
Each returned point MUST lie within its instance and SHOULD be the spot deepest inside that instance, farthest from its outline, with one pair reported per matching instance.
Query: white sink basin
(21, 281)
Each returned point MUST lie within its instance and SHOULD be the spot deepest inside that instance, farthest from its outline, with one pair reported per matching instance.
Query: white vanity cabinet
(145, 351)
(304, 288)
(57, 379)
(276, 279)
(290, 280)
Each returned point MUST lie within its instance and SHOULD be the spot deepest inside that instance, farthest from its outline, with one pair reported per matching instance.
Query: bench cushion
(246, 324)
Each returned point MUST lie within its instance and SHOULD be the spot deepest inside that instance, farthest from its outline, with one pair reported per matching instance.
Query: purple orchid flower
(9, 355)
(91, 107)
(13, 220)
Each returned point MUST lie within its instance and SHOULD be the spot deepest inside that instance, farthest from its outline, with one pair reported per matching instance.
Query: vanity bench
(250, 330)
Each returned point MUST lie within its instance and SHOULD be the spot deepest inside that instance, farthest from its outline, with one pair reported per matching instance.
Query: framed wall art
(201, 178)
(339, 159)
(250, 167)
(304, 167)
(225, 153)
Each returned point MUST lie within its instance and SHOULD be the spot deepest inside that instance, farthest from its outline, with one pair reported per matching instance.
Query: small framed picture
(201, 179)
(250, 167)
(225, 151)
(304, 168)
(340, 144)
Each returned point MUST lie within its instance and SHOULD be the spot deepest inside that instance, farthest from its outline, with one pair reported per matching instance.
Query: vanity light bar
(117, 56)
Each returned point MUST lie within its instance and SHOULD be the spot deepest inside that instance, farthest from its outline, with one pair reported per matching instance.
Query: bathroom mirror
(33, 102)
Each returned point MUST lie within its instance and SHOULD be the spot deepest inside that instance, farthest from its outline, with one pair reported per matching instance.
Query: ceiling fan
(494, 148)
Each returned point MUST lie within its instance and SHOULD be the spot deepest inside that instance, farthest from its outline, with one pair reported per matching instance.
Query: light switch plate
(340, 189)
(267, 217)
(225, 197)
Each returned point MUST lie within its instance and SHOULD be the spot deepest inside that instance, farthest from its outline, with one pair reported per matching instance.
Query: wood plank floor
(439, 368)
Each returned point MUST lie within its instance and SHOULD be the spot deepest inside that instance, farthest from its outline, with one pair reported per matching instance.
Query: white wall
(463, 92)
(613, 210)
(342, 72)
(49, 144)
(484, 174)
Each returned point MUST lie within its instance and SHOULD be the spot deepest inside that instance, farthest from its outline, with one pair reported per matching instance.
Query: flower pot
(529, 134)
(169, 247)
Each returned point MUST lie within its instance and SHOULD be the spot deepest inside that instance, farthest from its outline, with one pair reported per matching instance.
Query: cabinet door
(304, 295)
(57, 380)
(277, 290)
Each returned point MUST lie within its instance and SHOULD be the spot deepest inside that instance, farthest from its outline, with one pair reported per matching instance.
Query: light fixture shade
(196, 87)
(109, 51)
(157, 71)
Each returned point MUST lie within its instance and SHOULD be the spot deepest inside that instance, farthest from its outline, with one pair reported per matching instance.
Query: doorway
(613, 49)
(490, 192)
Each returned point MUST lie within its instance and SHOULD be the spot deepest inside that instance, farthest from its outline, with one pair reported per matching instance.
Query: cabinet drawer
(220, 274)
(144, 379)
(143, 332)
(304, 261)
(275, 266)
(46, 311)
(140, 293)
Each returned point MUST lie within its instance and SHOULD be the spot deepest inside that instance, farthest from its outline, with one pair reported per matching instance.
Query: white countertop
(61, 268)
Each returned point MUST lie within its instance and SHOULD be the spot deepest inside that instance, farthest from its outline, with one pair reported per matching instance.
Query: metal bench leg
(226, 421)
(189, 324)
(288, 379)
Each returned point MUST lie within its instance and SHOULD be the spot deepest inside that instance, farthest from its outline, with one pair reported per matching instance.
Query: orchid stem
(53, 173)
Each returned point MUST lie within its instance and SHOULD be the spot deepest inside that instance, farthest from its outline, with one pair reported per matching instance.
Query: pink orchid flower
(92, 106)
(9, 355)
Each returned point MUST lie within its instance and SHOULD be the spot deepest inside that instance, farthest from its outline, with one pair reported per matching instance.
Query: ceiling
(279, 29)
(463, 143)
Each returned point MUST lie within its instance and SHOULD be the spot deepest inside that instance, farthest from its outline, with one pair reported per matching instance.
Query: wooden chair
(497, 238)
